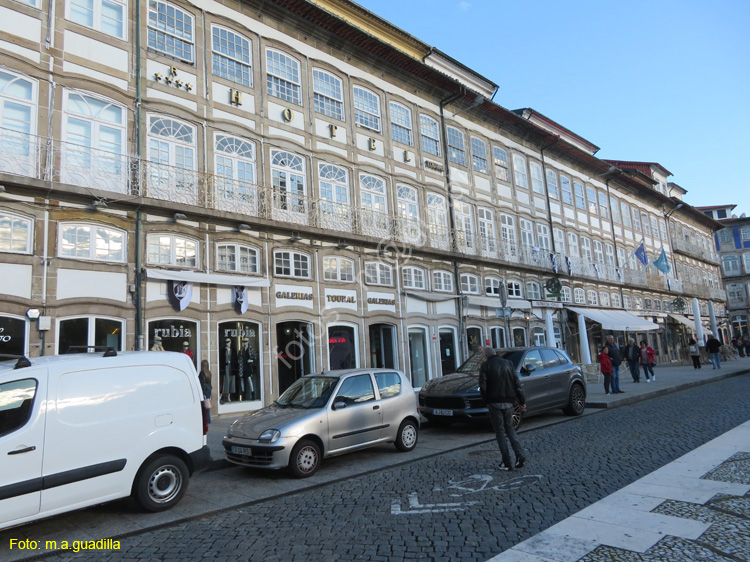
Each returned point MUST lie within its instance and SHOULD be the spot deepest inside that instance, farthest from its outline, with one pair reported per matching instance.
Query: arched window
(328, 94)
(170, 31)
(232, 56)
(374, 203)
(334, 207)
(283, 76)
(237, 258)
(533, 290)
(442, 281)
(235, 182)
(106, 16)
(593, 297)
(520, 175)
(291, 264)
(172, 160)
(469, 284)
(16, 233)
(430, 133)
(566, 295)
(408, 213)
(414, 278)
(514, 289)
(289, 183)
(492, 286)
(92, 242)
(377, 273)
(456, 146)
(579, 296)
(170, 249)
(366, 109)
(401, 127)
(338, 269)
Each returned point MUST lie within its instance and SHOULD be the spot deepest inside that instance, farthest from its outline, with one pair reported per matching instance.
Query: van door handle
(19, 451)
(376, 407)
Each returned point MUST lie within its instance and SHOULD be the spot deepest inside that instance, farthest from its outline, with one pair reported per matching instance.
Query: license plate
(247, 451)
(442, 412)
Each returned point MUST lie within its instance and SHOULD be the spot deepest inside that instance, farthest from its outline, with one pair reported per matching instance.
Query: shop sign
(340, 298)
(546, 304)
(293, 295)
(381, 301)
(434, 166)
(179, 294)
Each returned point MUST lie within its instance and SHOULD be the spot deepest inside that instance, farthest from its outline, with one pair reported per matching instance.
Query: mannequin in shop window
(246, 370)
(227, 368)
(157, 344)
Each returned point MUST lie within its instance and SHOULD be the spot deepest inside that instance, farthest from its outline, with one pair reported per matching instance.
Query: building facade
(284, 188)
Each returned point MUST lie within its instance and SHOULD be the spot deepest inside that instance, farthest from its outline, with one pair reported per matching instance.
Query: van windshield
(308, 392)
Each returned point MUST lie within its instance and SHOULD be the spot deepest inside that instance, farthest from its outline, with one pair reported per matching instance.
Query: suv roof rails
(109, 351)
(22, 362)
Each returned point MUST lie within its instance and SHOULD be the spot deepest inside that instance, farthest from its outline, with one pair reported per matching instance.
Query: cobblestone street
(459, 506)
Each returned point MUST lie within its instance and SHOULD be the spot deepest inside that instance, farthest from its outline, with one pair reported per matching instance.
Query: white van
(79, 430)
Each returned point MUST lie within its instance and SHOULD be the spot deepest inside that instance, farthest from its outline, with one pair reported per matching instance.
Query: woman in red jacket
(606, 368)
(647, 361)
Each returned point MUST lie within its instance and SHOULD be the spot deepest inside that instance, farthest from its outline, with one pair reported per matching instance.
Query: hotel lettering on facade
(280, 188)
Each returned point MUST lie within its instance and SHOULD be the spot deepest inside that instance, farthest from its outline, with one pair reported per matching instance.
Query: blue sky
(664, 81)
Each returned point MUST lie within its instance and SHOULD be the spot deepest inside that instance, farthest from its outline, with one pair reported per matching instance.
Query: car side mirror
(339, 405)
(528, 369)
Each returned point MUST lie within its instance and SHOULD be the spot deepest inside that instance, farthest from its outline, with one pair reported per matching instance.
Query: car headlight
(230, 431)
(269, 436)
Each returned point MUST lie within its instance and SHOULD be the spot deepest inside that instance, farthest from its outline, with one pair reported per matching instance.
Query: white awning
(683, 320)
(617, 320)
(207, 278)
(431, 297)
(494, 302)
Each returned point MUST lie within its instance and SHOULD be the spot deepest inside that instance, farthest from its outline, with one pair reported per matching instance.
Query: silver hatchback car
(324, 415)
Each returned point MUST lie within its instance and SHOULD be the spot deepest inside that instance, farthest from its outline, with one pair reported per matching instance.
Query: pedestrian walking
(746, 345)
(632, 354)
(605, 365)
(616, 359)
(714, 348)
(204, 377)
(501, 388)
(647, 361)
(695, 353)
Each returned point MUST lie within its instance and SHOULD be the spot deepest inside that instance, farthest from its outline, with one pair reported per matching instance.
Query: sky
(664, 81)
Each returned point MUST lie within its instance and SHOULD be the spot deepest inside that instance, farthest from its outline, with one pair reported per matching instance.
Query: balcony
(693, 250)
(717, 294)
(695, 290)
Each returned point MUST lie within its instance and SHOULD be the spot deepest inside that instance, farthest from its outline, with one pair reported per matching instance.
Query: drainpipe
(139, 339)
(45, 269)
(451, 217)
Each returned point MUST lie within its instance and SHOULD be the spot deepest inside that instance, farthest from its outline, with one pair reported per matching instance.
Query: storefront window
(76, 333)
(174, 334)
(12, 336)
(473, 339)
(240, 364)
(519, 337)
(342, 348)
(418, 355)
(294, 349)
(448, 357)
(382, 347)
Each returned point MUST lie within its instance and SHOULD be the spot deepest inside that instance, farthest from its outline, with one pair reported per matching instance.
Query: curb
(662, 392)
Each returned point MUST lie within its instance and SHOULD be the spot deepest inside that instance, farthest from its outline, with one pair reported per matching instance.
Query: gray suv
(550, 380)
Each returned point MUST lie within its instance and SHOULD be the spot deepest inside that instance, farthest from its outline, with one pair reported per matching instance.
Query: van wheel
(305, 459)
(407, 436)
(161, 483)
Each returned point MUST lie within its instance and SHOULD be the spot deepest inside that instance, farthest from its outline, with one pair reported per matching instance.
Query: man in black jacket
(501, 388)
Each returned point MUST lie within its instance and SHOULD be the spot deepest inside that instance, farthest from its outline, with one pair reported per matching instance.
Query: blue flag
(661, 262)
(640, 253)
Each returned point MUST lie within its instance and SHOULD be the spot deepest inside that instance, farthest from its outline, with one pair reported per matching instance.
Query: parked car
(82, 429)
(324, 415)
(550, 380)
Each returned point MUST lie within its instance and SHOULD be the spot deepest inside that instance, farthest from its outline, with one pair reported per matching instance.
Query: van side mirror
(339, 405)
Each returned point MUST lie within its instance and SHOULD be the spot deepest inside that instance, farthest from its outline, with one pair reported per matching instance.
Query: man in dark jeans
(632, 354)
(500, 388)
(616, 359)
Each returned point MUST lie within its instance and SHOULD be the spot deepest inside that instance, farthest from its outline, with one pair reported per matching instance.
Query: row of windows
(731, 263)
(726, 235)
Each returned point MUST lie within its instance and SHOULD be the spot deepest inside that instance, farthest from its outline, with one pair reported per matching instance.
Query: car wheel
(161, 483)
(517, 415)
(576, 401)
(305, 459)
(407, 437)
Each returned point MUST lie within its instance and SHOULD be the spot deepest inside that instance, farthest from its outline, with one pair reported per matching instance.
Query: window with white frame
(464, 224)
(604, 298)
(627, 302)
(92, 242)
(414, 278)
(336, 268)
(745, 233)
(621, 260)
(492, 286)
(657, 304)
(236, 258)
(366, 108)
(603, 207)
(235, 174)
(107, 16)
(573, 245)
(171, 151)
(598, 252)
(170, 31)
(479, 155)
(377, 273)
(469, 284)
(746, 261)
(552, 187)
(430, 133)
(502, 168)
(615, 207)
(334, 194)
(609, 253)
(586, 248)
(520, 175)
(407, 203)
(456, 146)
(655, 227)
(94, 129)
(514, 289)
(527, 232)
(638, 303)
(231, 56)
(559, 235)
(283, 76)
(731, 264)
(90, 331)
(625, 211)
(437, 219)
(567, 193)
(442, 281)
(519, 337)
(578, 190)
(16, 233)
(566, 295)
(291, 264)
(486, 226)
(542, 236)
(645, 224)
(592, 297)
(372, 195)
(579, 296)
(735, 292)
(401, 128)
(171, 249)
(289, 181)
(533, 291)
(591, 198)
(636, 220)
(616, 300)
(537, 178)
(508, 227)
(17, 123)
(328, 94)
